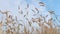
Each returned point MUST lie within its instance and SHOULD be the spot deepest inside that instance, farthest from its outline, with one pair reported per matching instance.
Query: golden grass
(44, 30)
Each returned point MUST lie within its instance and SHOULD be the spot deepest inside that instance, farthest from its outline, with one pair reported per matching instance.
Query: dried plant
(27, 5)
(18, 7)
(41, 4)
(41, 21)
(33, 10)
(37, 10)
(51, 12)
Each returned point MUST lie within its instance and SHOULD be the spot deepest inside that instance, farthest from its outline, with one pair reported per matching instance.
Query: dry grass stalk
(29, 23)
(18, 7)
(27, 5)
(25, 31)
(33, 10)
(51, 12)
(20, 12)
(37, 10)
(1, 28)
(41, 4)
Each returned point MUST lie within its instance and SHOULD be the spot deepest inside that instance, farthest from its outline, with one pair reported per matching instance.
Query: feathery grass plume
(29, 22)
(37, 10)
(33, 10)
(24, 15)
(39, 19)
(18, 7)
(27, 5)
(5, 12)
(41, 4)
(34, 20)
(16, 18)
(20, 12)
(44, 19)
(10, 16)
(9, 19)
(46, 15)
(51, 12)
(27, 13)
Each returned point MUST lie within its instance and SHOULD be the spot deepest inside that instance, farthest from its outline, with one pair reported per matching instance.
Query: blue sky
(12, 5)
(53, 5)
